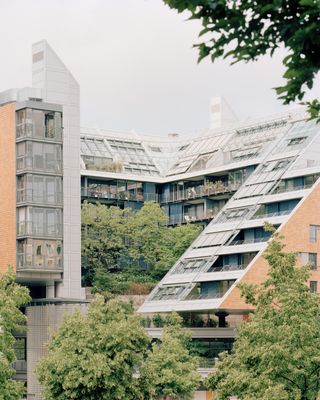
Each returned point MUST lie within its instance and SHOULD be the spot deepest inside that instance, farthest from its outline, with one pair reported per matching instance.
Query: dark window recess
(20, 349)
(313, 232)
(37, 56)
(313, 286)
(295, 141)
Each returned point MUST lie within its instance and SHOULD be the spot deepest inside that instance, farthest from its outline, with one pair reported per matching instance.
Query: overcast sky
(134, 62)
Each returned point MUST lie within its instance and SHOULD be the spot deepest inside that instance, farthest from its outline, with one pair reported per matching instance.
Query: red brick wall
(296, 238)
(7, 187)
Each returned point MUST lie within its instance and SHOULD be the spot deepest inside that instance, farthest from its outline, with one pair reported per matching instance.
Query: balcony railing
(29, 130)
(195, 192)
(270, 215)
(291, 189)
(33, 196)
(248, 241)
(47, 164)
(31, 261)
(187, 218)
(203, 296)
(20, 366)
(227, 267)
(106, 194)
(29, 228)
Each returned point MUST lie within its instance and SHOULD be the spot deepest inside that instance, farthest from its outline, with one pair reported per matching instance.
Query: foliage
(158, 321)
(146, 322)
(246, 30)
(121, 247)
(95, 355)
(128, 281)
(105, 354)
(12, 296)
(277, 353)
(169, 369)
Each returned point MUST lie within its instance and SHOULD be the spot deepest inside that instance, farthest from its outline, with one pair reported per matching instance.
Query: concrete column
(50, 290)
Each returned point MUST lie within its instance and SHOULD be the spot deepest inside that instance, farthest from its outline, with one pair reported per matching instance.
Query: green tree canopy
(246, 30)
(105, 354)
(12, 296)
(123, 246)
(276, 355)
(95, 355)
(169, 369)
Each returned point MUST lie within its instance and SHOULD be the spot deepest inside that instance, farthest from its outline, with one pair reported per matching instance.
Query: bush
(136, 288)
(158, 321)
(211, 323)
(146, 322)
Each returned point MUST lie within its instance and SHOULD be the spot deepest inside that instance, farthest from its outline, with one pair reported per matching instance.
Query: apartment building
(230, 179)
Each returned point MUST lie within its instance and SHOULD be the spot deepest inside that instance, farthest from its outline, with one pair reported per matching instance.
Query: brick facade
(296, 232)
(7, 187)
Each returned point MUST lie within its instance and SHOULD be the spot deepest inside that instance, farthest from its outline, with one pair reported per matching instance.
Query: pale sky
(135, 64)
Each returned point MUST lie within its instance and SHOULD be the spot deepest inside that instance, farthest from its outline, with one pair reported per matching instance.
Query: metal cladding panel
(59, 86)
(41, 320)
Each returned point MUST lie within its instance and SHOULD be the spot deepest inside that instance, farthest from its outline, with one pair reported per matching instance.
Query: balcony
(20, 366)
(227, 267)
(39, 263)
(33, 196)
(204, 296)
(210, 189)
(43, 164)
(199, 333)
(117, 195)
(179, 219)
(27, 130)
(248, 241)
(279, 190)
(271, 215)
(29, 228)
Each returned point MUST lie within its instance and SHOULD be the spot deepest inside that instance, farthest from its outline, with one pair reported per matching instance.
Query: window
(189, 266)
(309, 258)
(313, 286)
(241, 154)
(37, 56)
(49, 125)
(183, 147)
(20, 349)
(156, 149)
(295, 141)
(281, 164)
(313, 233)
(313, 260)
(237, 213)
(167, 293)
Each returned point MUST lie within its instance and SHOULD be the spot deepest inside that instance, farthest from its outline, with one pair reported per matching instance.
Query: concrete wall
(7, 186)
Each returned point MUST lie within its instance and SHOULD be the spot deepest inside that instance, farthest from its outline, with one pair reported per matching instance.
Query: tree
(169, 369)
(105, 354)
(12, 296)
(246, 30)
(103, 235)
(123, 247)
(276, 354)
(95, 355)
